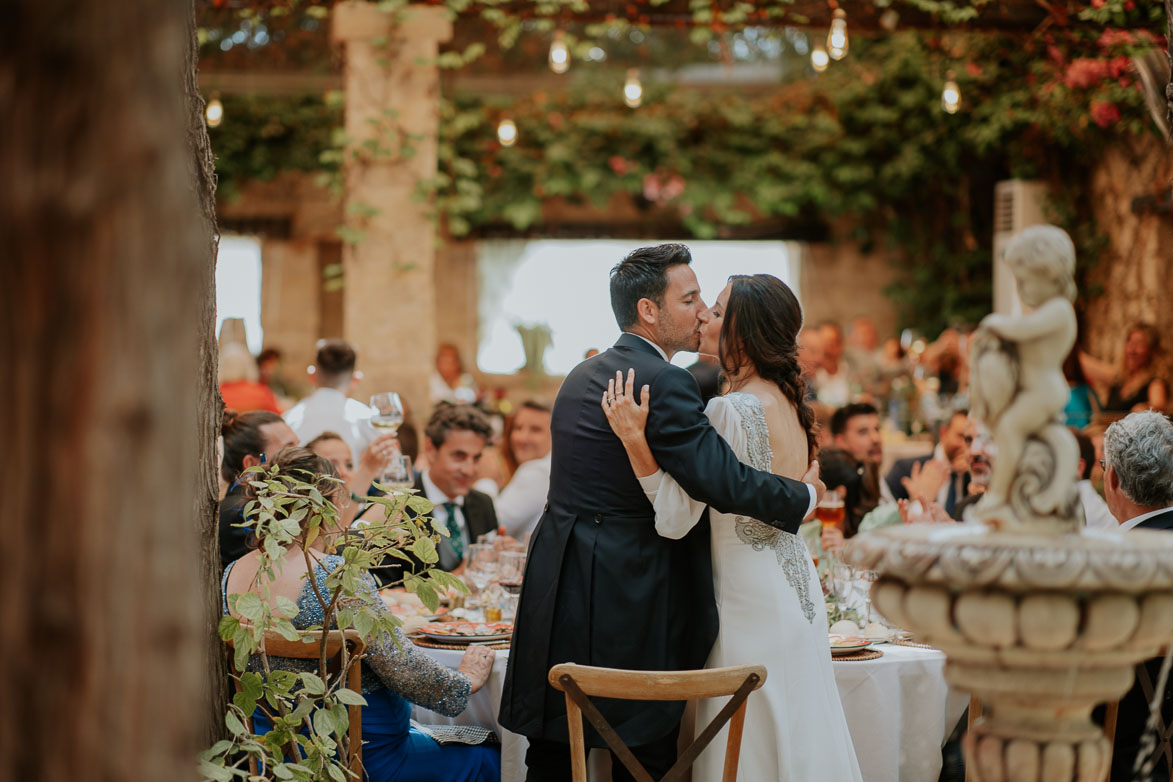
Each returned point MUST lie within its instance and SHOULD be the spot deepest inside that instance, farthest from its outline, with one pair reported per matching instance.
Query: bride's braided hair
(762, 321)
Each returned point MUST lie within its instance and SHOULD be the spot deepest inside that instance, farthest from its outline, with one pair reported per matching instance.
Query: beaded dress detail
(789, 549)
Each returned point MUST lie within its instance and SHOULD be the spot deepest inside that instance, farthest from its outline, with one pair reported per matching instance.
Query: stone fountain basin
(1040, 627)
(1057, 604)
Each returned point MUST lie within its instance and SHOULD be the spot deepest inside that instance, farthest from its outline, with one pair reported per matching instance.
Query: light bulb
(837, 36)
(951, 95)
(633, 91)
(819, 58)
(214, 113)
(507, 133)
(559, 54)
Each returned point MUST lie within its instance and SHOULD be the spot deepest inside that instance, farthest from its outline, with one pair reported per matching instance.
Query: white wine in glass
(388, 415)
(397, 474)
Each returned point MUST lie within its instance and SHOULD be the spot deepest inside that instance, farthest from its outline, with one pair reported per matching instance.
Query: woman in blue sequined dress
(394, 675)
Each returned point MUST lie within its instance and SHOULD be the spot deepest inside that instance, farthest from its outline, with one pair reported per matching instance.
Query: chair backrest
(580, 682)
(309, 648)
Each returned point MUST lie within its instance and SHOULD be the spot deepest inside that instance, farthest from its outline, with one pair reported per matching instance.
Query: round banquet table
(899, 712)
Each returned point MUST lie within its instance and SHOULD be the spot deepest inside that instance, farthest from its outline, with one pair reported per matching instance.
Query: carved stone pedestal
(1040, 628)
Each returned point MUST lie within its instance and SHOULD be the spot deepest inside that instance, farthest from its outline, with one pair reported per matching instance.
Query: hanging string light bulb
(559, 53)
(837, 36)
(951, 95)
(214, 112)
(507, 132)
(633, 91)
(819, 58)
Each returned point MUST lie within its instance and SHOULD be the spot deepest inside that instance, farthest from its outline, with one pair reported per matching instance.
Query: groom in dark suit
(601, 587)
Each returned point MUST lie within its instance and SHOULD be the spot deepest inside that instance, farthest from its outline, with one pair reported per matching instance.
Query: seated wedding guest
(832, 385)
(450, 383)
(1082, 402)
(249, 439)
(395, 673)
(329, 409)
(810, 358)
(238, 381)
(1133, 384)
(952, 452)
(454, 442)
(358, 479)
(926, 481)
(1095, 510)
(823, 413)
(855, 428)
(840, 473)
(527, 443)
(1138, 457)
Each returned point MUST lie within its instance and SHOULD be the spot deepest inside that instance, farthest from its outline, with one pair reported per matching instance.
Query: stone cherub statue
(1018, 390)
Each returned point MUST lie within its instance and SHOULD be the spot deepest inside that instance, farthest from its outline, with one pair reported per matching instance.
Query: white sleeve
(520, 503)
(676, 512)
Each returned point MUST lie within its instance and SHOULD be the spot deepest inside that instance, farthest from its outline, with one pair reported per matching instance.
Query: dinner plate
(466, 632)
(846, 644)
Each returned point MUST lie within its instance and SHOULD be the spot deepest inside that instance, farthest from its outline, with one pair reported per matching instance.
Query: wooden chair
(581, 682)
(278, 646)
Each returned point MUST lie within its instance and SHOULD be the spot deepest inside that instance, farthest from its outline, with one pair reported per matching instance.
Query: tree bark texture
(208, 404)
(103, 312)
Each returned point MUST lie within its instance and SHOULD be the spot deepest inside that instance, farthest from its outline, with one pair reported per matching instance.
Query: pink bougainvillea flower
(1104, 113)
(1119, 66)
(618, 164)
(1085, 72)
(973, 69)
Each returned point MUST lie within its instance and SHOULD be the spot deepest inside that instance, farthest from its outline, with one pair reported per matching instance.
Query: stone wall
(1134, 271)
(840, 282)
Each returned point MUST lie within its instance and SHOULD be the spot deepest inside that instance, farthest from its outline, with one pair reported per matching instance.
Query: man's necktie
(455, 537)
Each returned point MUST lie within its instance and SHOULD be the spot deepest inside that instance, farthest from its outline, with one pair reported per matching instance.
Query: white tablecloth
(899, 712)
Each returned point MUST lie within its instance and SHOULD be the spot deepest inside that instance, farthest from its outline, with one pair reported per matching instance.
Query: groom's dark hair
(643, 274)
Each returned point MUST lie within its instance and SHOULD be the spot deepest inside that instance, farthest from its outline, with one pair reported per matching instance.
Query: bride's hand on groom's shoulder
(627, 418)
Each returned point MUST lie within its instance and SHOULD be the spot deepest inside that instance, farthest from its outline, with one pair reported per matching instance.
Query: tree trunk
(103, 325)
(208, 402)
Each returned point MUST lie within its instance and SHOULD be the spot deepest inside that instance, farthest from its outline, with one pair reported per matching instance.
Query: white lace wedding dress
(772, 613)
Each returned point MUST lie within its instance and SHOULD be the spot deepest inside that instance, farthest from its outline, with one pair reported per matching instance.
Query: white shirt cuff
(651, 484)
(814, 500)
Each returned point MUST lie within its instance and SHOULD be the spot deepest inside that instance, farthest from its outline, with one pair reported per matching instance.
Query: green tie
(455, 538)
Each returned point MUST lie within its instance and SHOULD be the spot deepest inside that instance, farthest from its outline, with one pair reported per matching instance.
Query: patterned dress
(772, 613)
(394, 676)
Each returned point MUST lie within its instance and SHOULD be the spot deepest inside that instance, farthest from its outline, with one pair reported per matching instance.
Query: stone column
(290, 285)
(390, 298)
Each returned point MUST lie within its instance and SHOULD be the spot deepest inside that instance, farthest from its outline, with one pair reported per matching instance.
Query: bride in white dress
(769, 599)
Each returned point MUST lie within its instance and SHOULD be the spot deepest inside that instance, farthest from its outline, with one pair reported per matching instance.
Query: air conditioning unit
(1018, 204)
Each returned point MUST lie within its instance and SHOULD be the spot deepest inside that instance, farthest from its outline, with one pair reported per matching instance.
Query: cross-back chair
(581, 682)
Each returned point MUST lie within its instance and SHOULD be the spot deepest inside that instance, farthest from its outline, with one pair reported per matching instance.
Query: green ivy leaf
(350, 697)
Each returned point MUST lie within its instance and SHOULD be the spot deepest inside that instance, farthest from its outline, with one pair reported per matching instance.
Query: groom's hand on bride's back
(812, 477)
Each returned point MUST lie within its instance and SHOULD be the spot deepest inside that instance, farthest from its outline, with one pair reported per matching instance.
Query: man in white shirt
(329, 409)
(520, 503)
(1095, 510)
(831, 381)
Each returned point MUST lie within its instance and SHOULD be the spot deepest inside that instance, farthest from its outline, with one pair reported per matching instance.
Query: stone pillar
(390, 299)
(290, 285)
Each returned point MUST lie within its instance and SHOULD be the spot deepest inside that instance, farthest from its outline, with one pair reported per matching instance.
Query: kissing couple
(669, 539)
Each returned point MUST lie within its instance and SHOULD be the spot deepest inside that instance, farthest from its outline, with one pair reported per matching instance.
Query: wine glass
(397, 473)
(482, 565)
(512, 568)
(388, 411)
